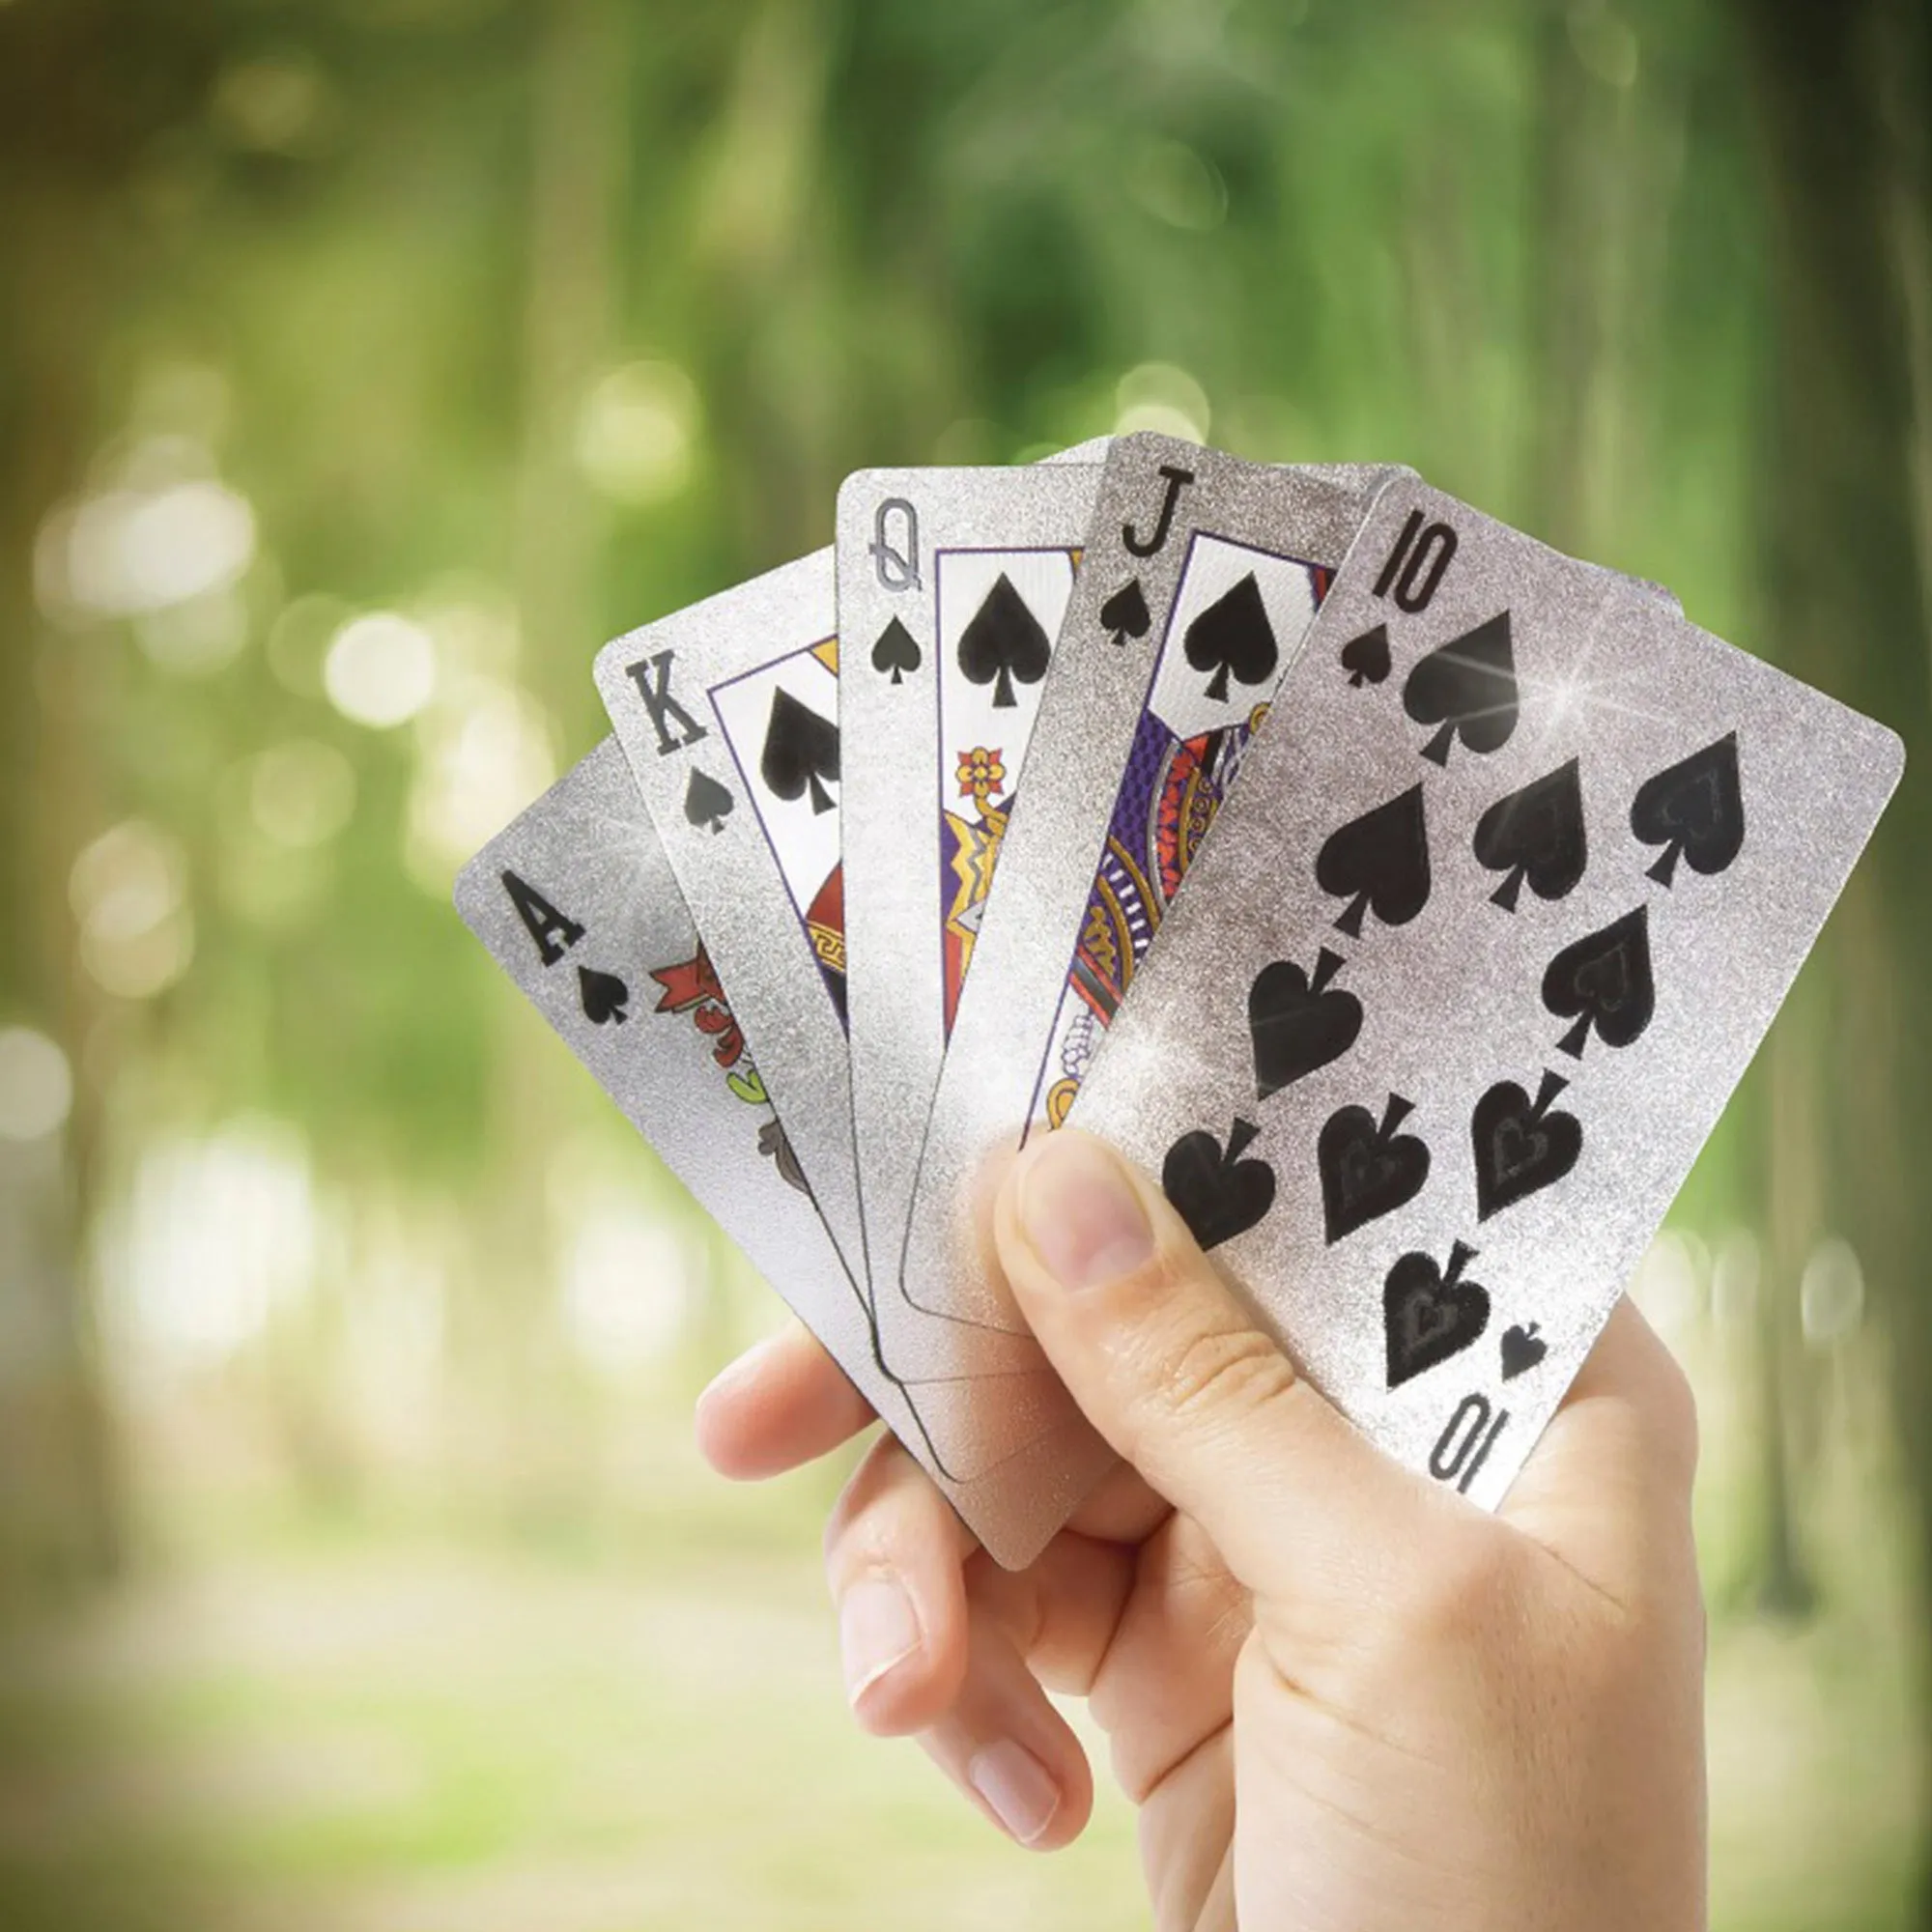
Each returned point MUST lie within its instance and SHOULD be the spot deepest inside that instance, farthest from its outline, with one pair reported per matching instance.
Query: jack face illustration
(1237, 622)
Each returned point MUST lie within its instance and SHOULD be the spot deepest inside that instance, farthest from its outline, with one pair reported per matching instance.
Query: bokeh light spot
(280, 104)
(1734, 1278)
(635, 434)
(1831, 1295)
(1669, 1284)
(627, 1286)
(127, 881)
(480, 763)
(300, 637)
(1162, 397)
(381, 669)
(302, 794)
(196, 637)
(128, 890)
(1178, 186)
(130, 551)
(36, 1085)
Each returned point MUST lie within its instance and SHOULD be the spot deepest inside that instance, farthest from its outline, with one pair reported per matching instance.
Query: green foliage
(532, 322)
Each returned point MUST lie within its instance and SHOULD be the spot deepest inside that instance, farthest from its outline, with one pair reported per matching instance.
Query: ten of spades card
(1507, 896)
(577, 902)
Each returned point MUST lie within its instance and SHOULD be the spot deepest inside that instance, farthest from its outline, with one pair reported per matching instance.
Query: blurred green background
(363, 365)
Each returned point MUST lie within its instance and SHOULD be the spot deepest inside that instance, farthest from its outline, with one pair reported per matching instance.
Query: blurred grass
(394, 1736)
(293, 1724)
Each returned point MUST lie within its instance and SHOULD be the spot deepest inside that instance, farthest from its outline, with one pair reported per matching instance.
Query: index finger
(786, 1403)
(781, 1404)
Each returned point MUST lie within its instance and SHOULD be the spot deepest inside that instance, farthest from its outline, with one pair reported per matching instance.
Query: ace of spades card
(1477, 954)
(952, 585)
(1175, 640)
(728, 714)
(577, 902)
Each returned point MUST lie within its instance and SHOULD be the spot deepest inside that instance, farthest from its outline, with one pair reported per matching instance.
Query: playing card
(1510, 890)
(1175, 640)
(951, 587)
(577, 902)
(728, 714)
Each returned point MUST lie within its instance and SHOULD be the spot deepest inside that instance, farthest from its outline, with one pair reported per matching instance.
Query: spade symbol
(1535, 833)
(801, 751)
(1603, 979)
(706, 801)
(1218, 1195)
(605, 996)
(1695, 810)
(1296, 1024)
(1523, 1348)
(1003, 641)
(1468, 686)
(897, 651)
(1522, 1146)
(1366, 659)
(1429, 1316)
(1234, 635)
(1368, 1170)
(1378, 859)
(1124, 615)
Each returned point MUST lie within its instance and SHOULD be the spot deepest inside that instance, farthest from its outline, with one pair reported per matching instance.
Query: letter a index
(652, 677)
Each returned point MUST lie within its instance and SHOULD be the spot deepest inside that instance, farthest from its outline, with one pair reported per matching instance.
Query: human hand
(1340, 1696)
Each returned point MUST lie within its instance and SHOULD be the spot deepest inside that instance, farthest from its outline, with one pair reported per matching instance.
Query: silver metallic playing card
(1516, 878)
(1172, 644)
(577, 902)
(728, 713)
(729, 716)
(953, 583)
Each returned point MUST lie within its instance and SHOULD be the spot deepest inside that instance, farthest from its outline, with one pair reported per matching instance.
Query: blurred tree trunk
(760, 253)
(1574, 248)
(578, 140)
(515, 1328)
(1790, 1164)
(65, 262)
(1841, 93)
(61, 1520)
(1608, 151)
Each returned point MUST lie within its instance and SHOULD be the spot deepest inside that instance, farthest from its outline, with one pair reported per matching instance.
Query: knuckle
(1221, 1372)
(1216, 1603)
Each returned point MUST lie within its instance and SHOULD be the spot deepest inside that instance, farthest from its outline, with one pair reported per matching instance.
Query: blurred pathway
(381, 1739)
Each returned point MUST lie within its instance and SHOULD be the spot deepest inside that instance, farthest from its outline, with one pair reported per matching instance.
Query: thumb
(1177, 1376)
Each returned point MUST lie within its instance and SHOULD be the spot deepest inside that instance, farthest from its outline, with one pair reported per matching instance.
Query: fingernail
(1017, 1788)
(877, 1629)
(1081, 1215)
